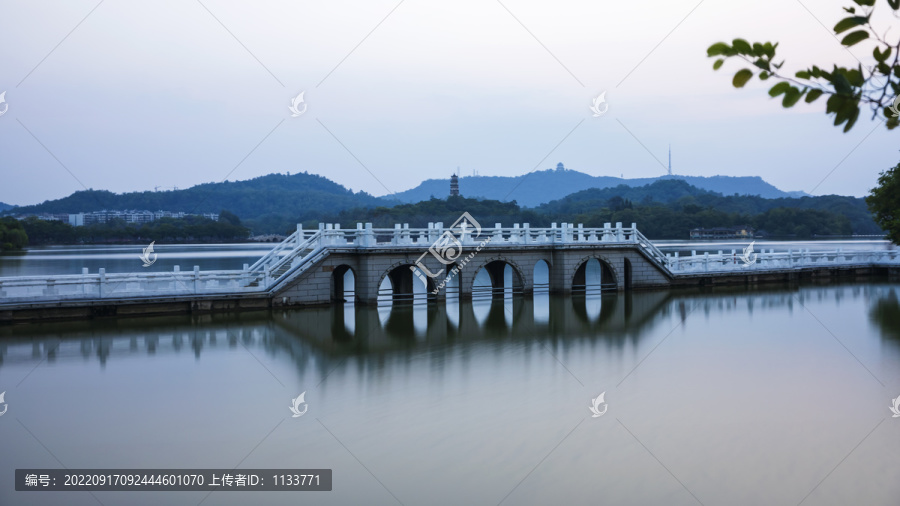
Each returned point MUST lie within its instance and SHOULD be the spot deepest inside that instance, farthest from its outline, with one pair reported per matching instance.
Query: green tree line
(12, 235)
(662, 210)
(187, 229)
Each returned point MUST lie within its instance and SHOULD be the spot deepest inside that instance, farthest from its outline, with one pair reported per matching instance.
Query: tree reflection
(886, 313)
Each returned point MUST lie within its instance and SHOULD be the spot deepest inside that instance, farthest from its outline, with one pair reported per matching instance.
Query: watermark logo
(148, 256)
(296, 102)
(448, 248)
(3, 103)
(3, 402)
(748, 257)
(894, 409)
(295, 406)
(599, 105)
(595, 406)
(894, 107)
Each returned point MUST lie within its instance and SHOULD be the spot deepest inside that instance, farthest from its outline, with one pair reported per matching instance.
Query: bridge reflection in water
(322, 338)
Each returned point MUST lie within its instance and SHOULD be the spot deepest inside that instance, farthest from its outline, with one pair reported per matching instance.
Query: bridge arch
(540, 276)
(339, 280)
(495, 267)
(401, 278)
(609, 275)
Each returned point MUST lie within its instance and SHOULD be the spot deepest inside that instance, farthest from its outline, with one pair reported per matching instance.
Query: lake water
(775, 395)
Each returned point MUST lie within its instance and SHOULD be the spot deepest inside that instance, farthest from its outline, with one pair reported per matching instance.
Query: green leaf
(763, 75)
(779, 88)
(852, 10)
(855, 77)
(840, 83)
(719, 48)
(833, 104)
(848, 23)
(865, 3)
(718, 64)
(854, 115)
(761, 63)
(813, 95)
(791, 97)
(855, 38)
(882, 56)
(741, 78)
(802, 74)
(742, 46)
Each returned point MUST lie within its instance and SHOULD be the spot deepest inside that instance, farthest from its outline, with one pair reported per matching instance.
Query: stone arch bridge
(445, 262)
(312, 267)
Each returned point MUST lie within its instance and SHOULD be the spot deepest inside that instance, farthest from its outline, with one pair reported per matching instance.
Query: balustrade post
(395, 239)
(553, 232)
(634, 232)
(607, 233)
(706, 261)
(526, 232)
(370, 236)
(299, 234)
(620, 236)
(84, 280)
(514, 235)
(102, 286)
(266, 276)
(358, 239)
(196, 277)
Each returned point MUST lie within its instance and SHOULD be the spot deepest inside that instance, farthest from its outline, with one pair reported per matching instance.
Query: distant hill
(268, 203)
(679, 195)
(4, 207)
(540, 187)
(666, 209)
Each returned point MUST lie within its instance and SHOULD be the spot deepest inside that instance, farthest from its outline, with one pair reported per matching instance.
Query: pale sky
(133, 95)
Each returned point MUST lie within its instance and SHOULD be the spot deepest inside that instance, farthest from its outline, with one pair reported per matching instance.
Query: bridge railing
(769, 260)
(284, 248)
(103, 285)
(364, 235)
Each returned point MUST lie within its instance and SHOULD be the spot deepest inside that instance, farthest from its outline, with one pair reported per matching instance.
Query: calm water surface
(769, 396)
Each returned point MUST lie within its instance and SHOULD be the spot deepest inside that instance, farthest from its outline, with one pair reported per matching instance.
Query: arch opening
(401, 286)
(626, 274)
(497, 278)
(343, 284)
(594, 276)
